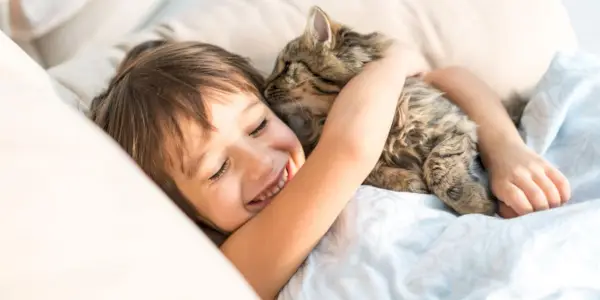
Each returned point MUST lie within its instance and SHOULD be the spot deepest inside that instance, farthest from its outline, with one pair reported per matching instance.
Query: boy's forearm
(271, 246)
(480, 103)
(382, 83)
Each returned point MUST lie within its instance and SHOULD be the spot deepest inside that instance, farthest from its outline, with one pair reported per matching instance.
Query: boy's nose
(257, 161)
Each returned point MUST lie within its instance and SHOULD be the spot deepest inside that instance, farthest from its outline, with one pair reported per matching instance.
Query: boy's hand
(408, 57)
(525, 182)
(520, 178)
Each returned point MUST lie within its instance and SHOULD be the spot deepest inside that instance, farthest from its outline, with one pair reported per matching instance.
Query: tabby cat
(432, 148)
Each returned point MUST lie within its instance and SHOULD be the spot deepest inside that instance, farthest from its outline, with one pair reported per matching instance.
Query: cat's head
(312, 68)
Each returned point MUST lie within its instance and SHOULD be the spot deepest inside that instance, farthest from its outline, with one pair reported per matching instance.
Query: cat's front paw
(473, 198)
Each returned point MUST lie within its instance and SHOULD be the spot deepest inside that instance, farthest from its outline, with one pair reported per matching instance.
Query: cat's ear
(319, 28)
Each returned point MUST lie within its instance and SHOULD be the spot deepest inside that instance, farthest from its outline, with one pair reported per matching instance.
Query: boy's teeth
(275, 189)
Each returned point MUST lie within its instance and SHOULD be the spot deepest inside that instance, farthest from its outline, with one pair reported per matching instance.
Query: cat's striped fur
(430, 149)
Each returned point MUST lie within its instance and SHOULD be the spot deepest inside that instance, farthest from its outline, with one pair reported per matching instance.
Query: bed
(385, 245)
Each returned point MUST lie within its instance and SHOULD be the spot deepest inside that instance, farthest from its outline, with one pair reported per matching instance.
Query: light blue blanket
(388, 245)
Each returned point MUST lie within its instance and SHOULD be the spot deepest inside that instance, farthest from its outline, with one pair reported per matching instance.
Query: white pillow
(78, 219)
(508, 43)
(31, 19)
(95, 22)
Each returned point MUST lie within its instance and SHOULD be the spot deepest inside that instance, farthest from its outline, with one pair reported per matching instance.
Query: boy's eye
(221, 171)
(260, 128)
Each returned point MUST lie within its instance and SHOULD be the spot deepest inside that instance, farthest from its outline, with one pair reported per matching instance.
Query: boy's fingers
(533, 192)
(515, 199)
(548, 187)
(561, 183)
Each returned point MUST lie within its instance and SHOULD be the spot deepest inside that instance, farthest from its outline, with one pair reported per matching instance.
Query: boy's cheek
(282, 135)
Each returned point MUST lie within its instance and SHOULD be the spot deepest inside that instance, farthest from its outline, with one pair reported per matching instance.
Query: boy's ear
(320, 29)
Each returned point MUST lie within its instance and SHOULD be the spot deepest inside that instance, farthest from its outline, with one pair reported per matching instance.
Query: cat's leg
(397, 179)
(450, 174)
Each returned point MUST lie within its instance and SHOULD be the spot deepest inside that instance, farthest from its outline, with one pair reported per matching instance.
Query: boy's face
(232, 172)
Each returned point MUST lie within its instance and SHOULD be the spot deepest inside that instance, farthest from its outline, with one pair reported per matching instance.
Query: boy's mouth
(272, 189)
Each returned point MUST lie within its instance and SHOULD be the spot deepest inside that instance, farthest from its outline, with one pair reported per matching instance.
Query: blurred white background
(585, 17)
(45, 15)
(584, 14)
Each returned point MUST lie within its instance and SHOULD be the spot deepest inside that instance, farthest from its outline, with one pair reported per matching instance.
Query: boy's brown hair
(157, 85)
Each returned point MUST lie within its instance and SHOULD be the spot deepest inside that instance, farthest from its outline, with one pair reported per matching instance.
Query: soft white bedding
(390, 245)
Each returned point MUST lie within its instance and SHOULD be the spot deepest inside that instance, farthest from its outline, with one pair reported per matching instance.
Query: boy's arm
(480, 103)
(520, 178)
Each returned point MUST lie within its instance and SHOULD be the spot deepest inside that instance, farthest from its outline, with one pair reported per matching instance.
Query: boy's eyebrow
(247, 110)
(191, 166)
(251, 105)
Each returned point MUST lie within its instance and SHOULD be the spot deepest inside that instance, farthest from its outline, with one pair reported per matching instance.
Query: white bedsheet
(388, 245)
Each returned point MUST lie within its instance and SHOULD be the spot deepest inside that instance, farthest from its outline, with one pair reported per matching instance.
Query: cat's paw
(472, 198)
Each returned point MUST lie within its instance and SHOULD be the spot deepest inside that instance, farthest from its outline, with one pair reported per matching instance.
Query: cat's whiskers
(276, 94)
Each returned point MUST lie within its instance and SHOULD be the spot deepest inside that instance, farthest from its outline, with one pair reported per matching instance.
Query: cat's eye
(260, 128)
(221, 171)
